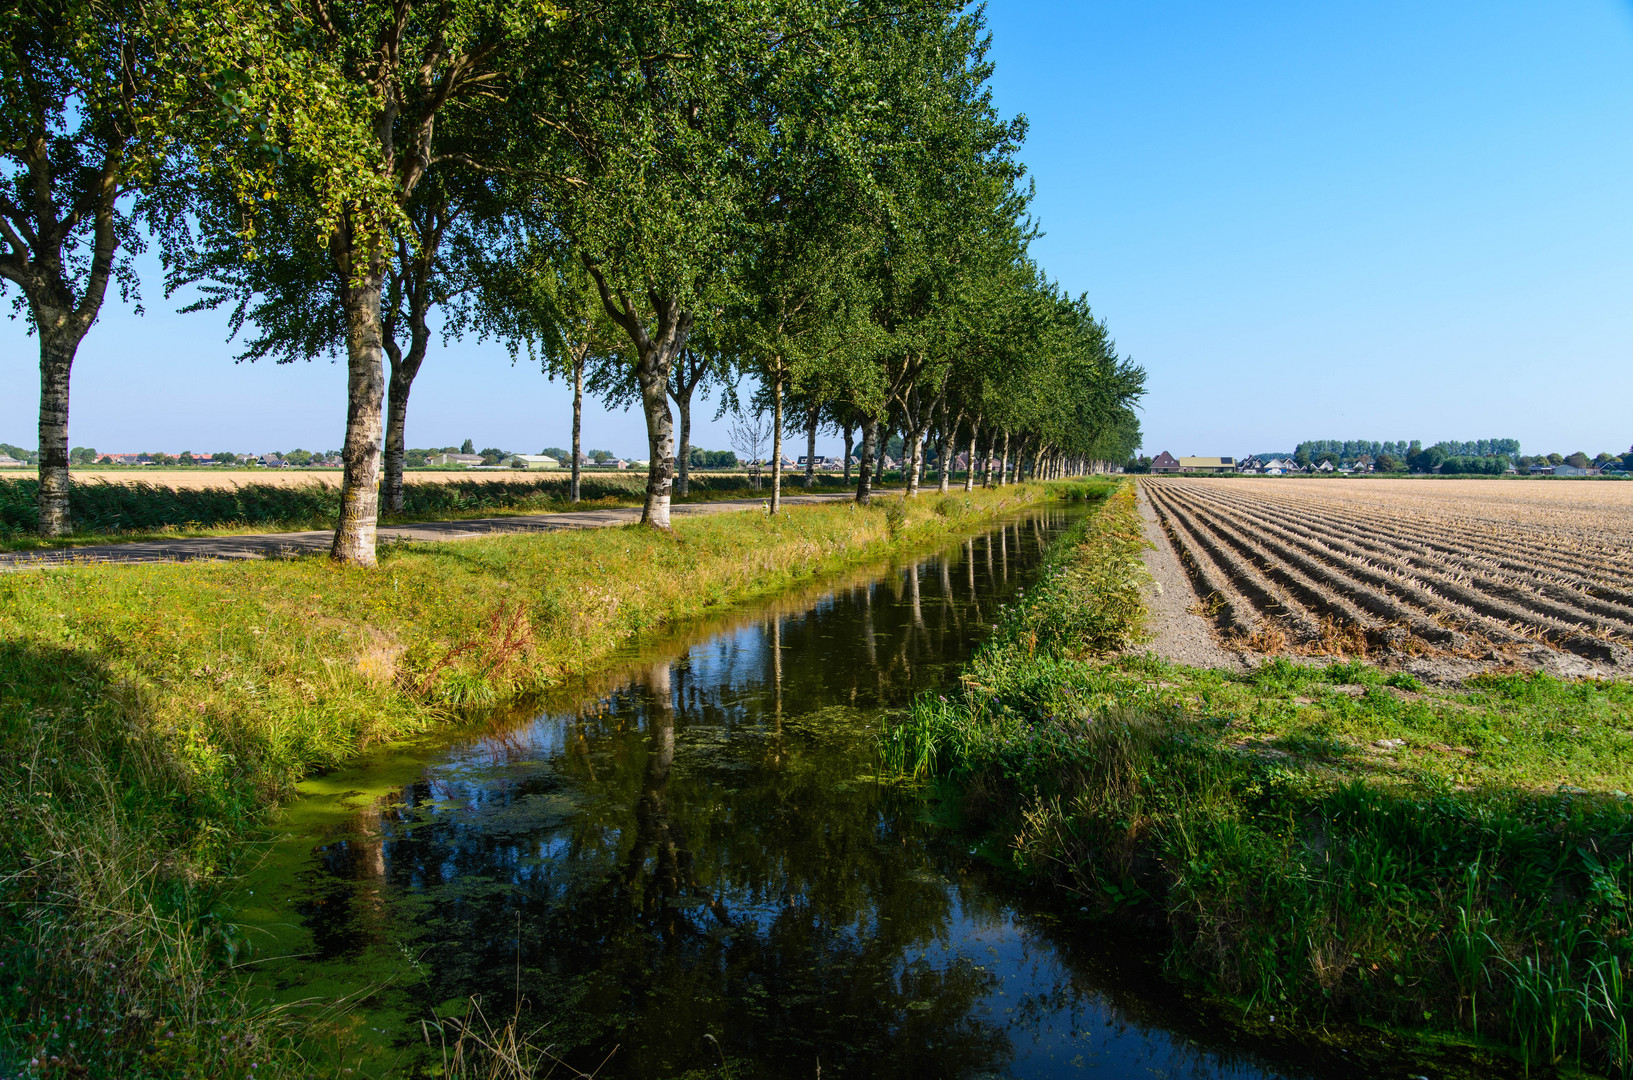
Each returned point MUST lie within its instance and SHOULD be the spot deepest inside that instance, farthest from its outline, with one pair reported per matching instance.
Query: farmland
(197, 478)
(1446, 574)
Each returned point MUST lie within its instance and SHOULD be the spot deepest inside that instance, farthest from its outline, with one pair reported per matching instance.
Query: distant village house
(1168, 463)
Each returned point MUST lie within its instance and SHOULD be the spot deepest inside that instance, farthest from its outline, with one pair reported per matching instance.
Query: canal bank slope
(1316, 843)
(153, 714)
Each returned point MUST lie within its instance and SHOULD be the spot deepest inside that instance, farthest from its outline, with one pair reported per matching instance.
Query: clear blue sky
(1338, 220)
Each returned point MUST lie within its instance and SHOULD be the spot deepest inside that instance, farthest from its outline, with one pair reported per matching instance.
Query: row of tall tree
(650, 200)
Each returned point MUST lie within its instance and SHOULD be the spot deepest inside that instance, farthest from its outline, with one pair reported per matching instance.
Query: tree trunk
(403, 370)
(864, 469)
(365, 393)
(683, 459)
(56, 363)
(776, 440)
(975, 440)
(847, 429)
(944, 450)
(655, 358)
(810, 449)
(652, 372)
(578, 414)
(917, 470)
(1003, 463)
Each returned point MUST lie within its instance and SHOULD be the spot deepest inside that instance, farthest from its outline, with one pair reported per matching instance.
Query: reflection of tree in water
(692, 854)
(769, 915)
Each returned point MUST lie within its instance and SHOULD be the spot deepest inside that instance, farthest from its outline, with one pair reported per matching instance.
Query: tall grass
(152, 715)
(1289, 874)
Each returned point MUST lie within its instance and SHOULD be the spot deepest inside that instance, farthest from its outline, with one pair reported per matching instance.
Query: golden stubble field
(192, 479)
(1499, 570)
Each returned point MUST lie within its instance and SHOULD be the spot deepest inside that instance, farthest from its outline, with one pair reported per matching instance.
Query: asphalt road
(270, 545)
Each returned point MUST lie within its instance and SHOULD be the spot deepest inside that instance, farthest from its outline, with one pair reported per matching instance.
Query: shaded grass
(106, 512)
(151, 716)
(1316, 842)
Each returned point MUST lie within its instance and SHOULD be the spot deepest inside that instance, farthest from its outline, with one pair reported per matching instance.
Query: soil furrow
(1560, 614)
(1301, 578)
(1211, 580)
(1405, 563)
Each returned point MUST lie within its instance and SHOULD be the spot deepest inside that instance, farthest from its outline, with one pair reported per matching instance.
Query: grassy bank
(151, 716)
(1317, 843)
(105, 512)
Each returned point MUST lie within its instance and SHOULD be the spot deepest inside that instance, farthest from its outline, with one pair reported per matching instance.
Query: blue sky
(1338, 220)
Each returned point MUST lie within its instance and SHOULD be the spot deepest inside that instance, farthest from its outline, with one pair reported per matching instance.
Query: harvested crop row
(1399, 567)
(1299, 605)
(1211, 578)
(1564, 609)
(1390, 592)
(1500, 614)
(1513, 551)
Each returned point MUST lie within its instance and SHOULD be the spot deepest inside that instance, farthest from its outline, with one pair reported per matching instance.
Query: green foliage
(1473, 466)
(713, 459)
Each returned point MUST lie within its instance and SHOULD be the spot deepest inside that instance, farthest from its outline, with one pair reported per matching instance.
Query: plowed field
(1479, 569)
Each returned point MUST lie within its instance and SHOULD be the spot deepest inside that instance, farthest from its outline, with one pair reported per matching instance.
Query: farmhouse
(454, 459)
(535, 461)
(1168, 463)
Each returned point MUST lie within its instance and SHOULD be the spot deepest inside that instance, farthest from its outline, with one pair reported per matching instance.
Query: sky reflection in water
(700, 851)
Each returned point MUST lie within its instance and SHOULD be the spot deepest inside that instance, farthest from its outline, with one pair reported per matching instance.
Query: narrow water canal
(691, 864)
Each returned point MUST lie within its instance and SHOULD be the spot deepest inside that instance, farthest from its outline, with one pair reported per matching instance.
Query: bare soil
(1176, 629)
(1443, 578)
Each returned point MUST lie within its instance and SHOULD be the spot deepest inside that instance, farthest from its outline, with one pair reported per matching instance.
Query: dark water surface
(691, 862)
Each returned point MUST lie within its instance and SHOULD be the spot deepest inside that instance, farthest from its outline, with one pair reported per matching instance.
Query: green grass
(152, 715)
(1318, 842)
(105, 512)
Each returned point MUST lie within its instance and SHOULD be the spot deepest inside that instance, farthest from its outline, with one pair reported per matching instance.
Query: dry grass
(193, 479)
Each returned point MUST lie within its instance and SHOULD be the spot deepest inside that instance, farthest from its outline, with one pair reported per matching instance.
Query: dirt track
(1535, 573)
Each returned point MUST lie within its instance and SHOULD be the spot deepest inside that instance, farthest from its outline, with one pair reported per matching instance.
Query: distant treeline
(1350, 449)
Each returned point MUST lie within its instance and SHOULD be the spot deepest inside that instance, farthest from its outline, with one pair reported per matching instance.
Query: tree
(1579, 459)
(697, 368)
(685, 117)
(749, 432)
(93, 98)
(647, 184)
(534, 294)
(467, 447)
(412, 72)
